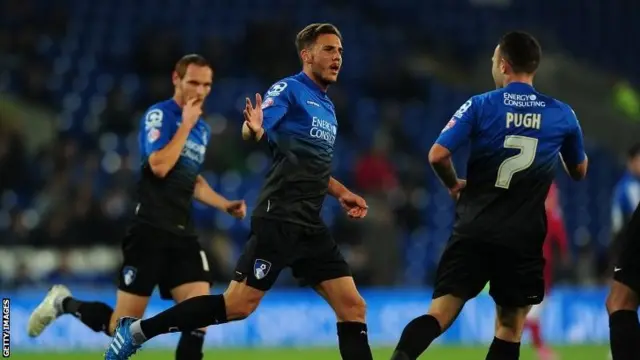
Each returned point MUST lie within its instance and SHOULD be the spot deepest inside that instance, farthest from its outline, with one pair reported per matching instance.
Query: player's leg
(342, 295)
(461, 275)
(516, 284)
(188, 275)
(624, 329)
(509, 327)
(191, 342)
(137, 279)
(623, 299)
(320, 264)
(254, 276)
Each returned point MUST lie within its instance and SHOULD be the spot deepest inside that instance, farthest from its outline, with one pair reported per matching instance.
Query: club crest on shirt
(153, 135)
(261, 268)
(449, 125)
(153, 119)
(277, 88)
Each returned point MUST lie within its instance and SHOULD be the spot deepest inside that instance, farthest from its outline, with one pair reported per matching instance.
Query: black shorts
(153, 257)
(627, 265)
(515, 277)
(273, 245)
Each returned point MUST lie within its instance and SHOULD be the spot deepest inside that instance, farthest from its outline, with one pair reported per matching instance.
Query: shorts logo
(129, 274)
(261, 268)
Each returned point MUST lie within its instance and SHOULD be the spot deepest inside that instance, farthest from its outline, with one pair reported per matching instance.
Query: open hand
(253, 115)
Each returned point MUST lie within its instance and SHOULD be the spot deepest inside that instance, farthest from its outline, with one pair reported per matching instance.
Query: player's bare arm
(440, 160)
(206, 195)
(164, 160)
(576, 172)
(355, 206)
(253, 118)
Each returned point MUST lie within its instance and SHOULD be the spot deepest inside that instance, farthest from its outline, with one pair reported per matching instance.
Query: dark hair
(633, 151)
(522, 51)
(308, 36)
(191, 59)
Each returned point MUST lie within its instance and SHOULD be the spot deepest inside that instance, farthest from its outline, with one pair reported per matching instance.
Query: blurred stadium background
(75, 76)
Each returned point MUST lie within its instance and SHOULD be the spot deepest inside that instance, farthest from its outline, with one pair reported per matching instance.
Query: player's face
(326, 58)
(196, 83)
(497, 68)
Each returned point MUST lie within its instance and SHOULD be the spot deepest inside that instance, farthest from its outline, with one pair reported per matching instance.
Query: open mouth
(334, 68)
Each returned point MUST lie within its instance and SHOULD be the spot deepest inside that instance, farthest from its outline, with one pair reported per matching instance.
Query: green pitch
(438, 352)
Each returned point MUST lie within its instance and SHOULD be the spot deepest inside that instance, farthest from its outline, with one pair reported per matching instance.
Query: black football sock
(353, 341)
(624, 335)
(190, 345)
(503, 350)
(416, 337)
(191, 314)
(95, 315)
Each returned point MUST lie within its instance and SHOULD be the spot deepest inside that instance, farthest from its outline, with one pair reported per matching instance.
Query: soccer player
(298, 120)
(556, 235)
(624, 296)
(160, 247)
(516, 136)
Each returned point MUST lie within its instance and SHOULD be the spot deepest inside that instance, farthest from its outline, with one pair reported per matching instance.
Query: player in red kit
(556, 236)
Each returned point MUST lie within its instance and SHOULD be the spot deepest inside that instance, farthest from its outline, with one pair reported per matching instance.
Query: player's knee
(510, 323)
(445, 309)
(621, 297)
(240, 307)
(352, 308)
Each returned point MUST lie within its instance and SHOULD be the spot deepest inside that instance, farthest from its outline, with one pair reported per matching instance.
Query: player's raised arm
(206, 195)
(572, 152)
(163, 151)
(455, 133)
(265, 115)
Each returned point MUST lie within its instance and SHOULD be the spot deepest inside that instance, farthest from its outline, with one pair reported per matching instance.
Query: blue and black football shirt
(516, 135)
(301, 127)
(166, 202)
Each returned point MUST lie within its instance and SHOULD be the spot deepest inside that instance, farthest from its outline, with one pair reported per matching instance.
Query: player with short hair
(516, 136)
(624, 295)
(298, 119)
(161, 247)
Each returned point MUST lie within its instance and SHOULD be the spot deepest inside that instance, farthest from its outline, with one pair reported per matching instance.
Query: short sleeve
(459, 128)
(572, 148)
(276, 103)
(156, 130)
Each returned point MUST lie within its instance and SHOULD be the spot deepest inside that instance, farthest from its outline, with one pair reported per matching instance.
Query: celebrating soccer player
(298, 120)
(516, 136)
(161, 247)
